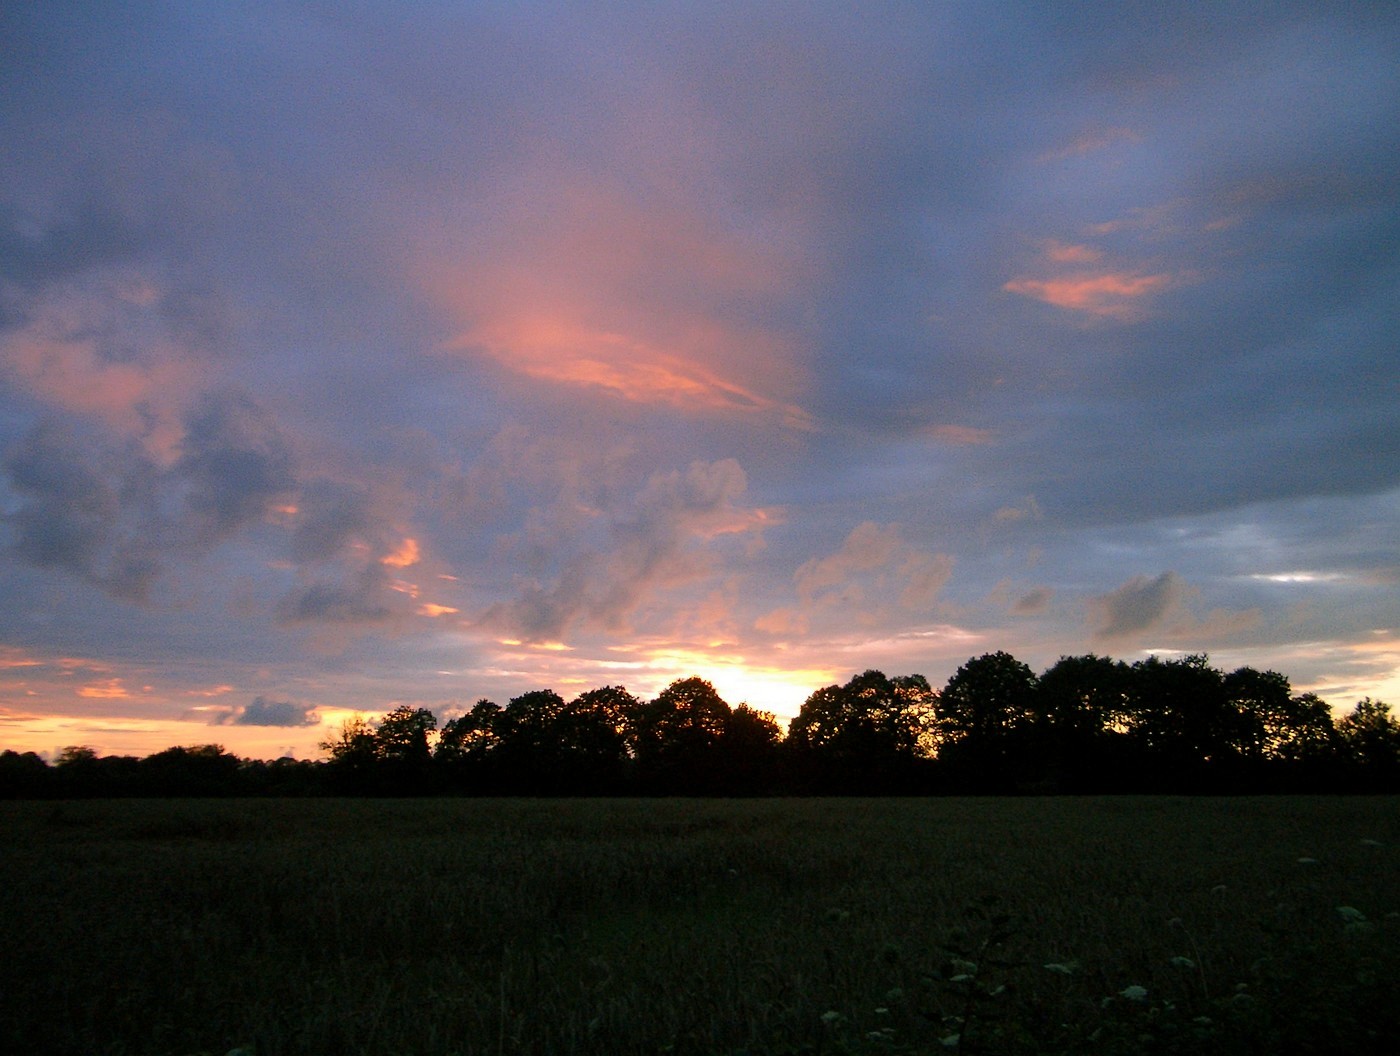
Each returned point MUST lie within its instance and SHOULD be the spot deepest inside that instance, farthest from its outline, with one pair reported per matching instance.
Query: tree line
(1088, 724)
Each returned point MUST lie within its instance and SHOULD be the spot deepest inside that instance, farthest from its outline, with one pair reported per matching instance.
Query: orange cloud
(873, 566)
(12, 657)
(1071, 253)
(649, 296)
(429, 609)
(552, 348)
(407, 554)
(1108, 294)
(1090, 142)
(108, 689)
(961, 435)
(104, 349)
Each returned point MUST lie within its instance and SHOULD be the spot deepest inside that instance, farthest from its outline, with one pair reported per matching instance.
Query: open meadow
(1061, 925)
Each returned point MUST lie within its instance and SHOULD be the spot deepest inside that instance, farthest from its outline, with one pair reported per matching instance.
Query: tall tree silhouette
(674, 738)
(1370, 737)
(866, 733)
(986, 703)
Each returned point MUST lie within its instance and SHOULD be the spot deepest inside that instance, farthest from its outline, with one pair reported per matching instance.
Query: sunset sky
(358, 354)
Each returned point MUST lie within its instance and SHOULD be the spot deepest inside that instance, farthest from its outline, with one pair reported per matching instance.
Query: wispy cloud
(1110, 295)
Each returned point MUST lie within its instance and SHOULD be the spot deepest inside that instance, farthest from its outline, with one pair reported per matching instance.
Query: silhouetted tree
(353, 757)
(24, 775)
(1370, 739)
(200, 770)
(470, 737)
(1306, 732)
(865, 734)
(1262, 700)
(1076, 739)
(80, 771)
(283, 777)
(466, 746)
(1183, 718)
(1084, 697)
(402, 735)
(527, 758)
(672, 739)
(985, 717)
(749, 756)
(592, 739)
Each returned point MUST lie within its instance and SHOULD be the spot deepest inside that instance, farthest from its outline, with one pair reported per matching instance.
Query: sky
(364, 354)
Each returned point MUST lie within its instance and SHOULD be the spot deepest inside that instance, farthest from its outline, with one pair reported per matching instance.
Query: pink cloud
(1114, 295)
(960, 435)
(1071, 253)
(1090, 142)
(647, 294)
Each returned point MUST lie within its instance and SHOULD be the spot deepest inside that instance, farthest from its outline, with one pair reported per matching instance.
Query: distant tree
(526, 759)
(199, 770)
(1083, 697)
(284, 778)
(1276, 725)
(23, 775)
(871, 716)
(1306, 732)
(471, 738)
(597, 720)
(76, 755)
(748, 726)
(1262, 700)
(402, 741)
(986, 700)
(749, 750)
(672, 739)
(466, 755)
(871, 734)
(402, 736)
(80, 771)
(591, 734)
(1370, 738)
(354, 743)
(1183, 715)
(353, 757)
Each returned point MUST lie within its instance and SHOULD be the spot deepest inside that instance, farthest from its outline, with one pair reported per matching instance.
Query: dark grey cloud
(34, 252)
(330, 516)
(106, 510)
(263, 712)
(656, 540)
(364, 596)
(83, 508)
(234, 463)
(1033, 602)
(1139, 605)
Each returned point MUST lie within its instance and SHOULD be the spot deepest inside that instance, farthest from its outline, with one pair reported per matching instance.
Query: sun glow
(773, 689)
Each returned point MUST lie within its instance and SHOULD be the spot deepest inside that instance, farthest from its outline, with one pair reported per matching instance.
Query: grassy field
(770, 926)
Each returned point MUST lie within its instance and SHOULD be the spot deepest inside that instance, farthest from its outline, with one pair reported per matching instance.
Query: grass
(1115, 925)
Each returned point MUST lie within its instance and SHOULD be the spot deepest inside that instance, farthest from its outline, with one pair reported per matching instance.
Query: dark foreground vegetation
(1086, 725)
(1109, 925)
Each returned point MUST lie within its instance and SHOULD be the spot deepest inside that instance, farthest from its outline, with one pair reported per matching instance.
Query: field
(1116, 925)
